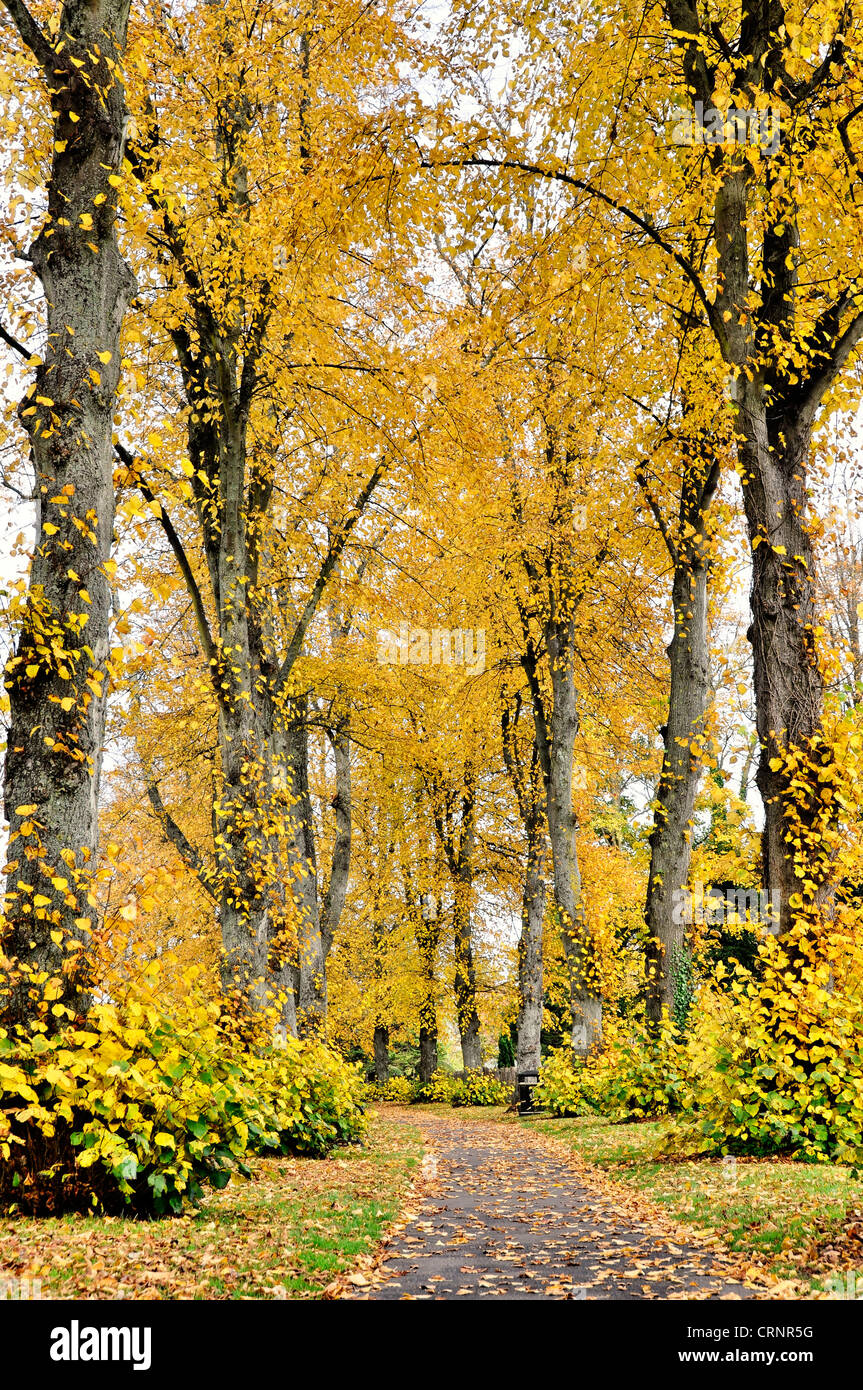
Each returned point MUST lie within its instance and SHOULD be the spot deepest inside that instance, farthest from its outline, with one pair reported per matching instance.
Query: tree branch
(32, 36)
(832, 360)
(172, 832)
(331, 559)
(643, 224)
(10, 339)
(208, 646)
(657, 514)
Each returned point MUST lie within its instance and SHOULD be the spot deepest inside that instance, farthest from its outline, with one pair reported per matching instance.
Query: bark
(382, 1053)
(427, 931)
(556, 590)
(57, 675)
(303, 876)
(526, 778)
(688, 699)
(455, 821)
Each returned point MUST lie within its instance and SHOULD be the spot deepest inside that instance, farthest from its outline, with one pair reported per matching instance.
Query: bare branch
(657, 513)
(331, 559)
(32, 36)
(208, 646)
(172, 832)
(13, 342)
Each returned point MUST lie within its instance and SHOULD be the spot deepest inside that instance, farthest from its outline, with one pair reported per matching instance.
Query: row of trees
(385, 391)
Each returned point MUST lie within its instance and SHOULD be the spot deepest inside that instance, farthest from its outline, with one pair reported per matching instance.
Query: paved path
(504, 1215)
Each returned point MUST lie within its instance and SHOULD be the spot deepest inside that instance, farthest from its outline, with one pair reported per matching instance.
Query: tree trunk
(244, 910)
(527, 781)
(670, 840)
(428, 1047)
(465, 976)
(530, 957)
(427, 930)
(312, 986)
(382, 1032)
(585, 998)
(382, 1054)
(340, 869)
(556, 730)
(788, 681)
(283, 986)
(457, 839)
(775, 424)
(57, 675)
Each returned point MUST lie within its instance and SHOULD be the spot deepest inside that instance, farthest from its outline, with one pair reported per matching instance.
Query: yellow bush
(137, 1110)
(480, 1088)
(399, 1090)
(778, 1066)
(638, 1075)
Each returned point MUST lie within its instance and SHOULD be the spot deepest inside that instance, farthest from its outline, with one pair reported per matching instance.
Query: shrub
(309, 1099)
(399, 1089)
(778, 1064)
(480, 1088)
(438, 1091)
(565, 1088)
(136, 1111)
(637, 1077)
(645, 1076)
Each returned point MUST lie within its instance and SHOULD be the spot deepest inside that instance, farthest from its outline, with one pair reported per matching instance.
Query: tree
(699, 144)
(57, 678)
(240, 332)
(691, 476)
(522, 758)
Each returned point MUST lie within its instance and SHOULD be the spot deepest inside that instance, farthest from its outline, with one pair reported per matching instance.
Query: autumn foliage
(399, 412)
(139, 1111)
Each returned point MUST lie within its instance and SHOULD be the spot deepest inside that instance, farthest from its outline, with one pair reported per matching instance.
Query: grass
(285, 1234)
(801, 1220)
